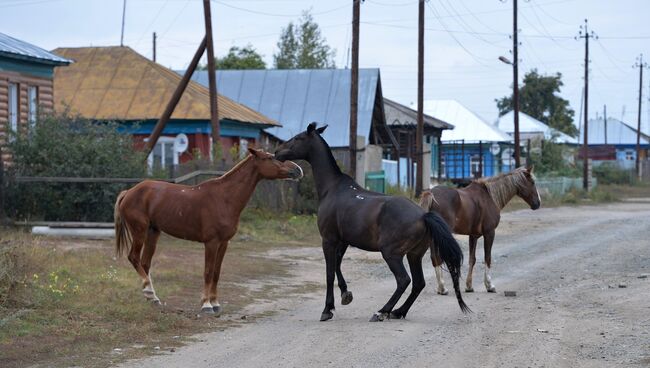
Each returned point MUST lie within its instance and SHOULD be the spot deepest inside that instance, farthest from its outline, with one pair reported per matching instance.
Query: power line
(253, 11)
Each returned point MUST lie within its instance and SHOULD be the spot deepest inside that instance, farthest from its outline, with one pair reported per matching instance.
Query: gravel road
(582, 277)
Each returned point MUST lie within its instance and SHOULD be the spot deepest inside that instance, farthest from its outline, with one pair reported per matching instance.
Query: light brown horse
(475, 211)
(208, 213)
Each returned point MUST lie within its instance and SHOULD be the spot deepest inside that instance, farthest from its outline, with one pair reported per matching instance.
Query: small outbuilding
(611, 140)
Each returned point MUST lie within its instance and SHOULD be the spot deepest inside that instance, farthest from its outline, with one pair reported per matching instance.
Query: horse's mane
(234, 168)
(330, 156)
(504, 186)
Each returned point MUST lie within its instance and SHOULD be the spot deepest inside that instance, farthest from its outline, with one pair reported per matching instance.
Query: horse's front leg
(216, 307)
(488, 239)
(346, 296)
(329, 250)
(211, 252)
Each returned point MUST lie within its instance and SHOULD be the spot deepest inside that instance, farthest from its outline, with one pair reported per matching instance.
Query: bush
(551, 160)
(610, 173)
(68, 146)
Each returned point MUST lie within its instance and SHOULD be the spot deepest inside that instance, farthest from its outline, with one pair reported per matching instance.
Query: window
(475, 165)
(629, 155)
(163, 156)
(243, 147)
(32, 96)
(13, 107)
(443, 167)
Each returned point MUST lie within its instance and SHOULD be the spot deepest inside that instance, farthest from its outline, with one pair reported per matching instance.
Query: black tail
(448, 249)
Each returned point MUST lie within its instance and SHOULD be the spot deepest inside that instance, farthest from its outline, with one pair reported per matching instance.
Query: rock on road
(565, 263)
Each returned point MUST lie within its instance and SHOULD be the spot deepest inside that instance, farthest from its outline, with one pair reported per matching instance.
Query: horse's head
(270, 168)
(298, 147)
(527, 190)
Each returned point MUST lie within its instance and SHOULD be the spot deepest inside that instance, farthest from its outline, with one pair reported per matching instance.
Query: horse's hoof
(207, 310)
(346, 298)
(378, 317)
(491, 289)
(216, 309)
(326, 316)
(469, 290)
(396, 315)
(443, 292)
(157, 303)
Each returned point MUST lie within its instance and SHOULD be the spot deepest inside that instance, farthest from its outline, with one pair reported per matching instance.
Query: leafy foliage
(240, 58)
(537, 98)
(67, 146)
(552, 159)
(610, 173)
(301, 46)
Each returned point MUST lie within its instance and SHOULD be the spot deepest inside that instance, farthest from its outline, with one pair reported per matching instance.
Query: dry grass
(70, 302)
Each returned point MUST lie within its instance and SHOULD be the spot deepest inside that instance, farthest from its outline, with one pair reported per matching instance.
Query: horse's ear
(311, 127)
(530, 169)
(254, 152)
(321, 129)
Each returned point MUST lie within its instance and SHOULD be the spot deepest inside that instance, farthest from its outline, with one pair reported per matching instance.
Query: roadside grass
(71, 302)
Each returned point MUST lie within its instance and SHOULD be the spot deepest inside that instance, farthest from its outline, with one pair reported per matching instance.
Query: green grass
(71, 302)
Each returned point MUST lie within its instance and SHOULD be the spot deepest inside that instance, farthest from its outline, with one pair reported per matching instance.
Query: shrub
(69, 146)
(610, 173)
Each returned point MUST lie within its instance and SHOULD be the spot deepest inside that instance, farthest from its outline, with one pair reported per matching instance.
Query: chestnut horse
(208, 213)
(394, 226)
(475, 211)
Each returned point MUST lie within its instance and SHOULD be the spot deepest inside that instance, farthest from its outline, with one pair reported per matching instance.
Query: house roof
(411, 116)
(528, 124)
(117, 83)
(17, 49)
(467, 125)
(298, 97)
(618, 133)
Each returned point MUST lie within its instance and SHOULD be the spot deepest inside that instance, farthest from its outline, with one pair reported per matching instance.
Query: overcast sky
(462, 41)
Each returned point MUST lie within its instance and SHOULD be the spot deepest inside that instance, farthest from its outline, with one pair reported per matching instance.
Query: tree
(537, 98)
(241, 58)
(301, 46)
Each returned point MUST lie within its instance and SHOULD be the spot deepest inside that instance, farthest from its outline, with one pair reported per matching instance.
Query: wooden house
(26, 74)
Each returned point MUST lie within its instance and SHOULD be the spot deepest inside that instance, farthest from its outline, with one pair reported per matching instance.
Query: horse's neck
(501, 192)
(326, 172)
(237, 185)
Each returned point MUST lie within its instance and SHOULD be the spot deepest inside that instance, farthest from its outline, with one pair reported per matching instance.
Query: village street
(582, 278)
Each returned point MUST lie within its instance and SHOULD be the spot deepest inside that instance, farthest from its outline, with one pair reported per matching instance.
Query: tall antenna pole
(605, 117)
(154, 47)
(212, 79)
(515, 82)
(123, 16)
(584, 33)
(354, 87)
(419, 133)
(641, 65)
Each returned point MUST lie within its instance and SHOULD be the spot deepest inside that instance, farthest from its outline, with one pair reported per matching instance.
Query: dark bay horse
(208, 213)
(351, 215)
(476, 211)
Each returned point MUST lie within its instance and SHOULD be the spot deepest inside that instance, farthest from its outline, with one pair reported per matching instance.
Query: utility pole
(605, 117)
(640, 64)
(584, 33)
(154, 47)
(212, 79)
(515, 82)
(419, 133)
(354, 87)
(123, 16)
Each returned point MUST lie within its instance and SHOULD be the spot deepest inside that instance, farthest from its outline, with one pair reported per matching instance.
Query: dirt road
(582, 277)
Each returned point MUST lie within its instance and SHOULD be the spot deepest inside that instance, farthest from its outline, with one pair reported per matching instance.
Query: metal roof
(467, 125)
(298, 97)
(618, 133)
(117, 83)
(409, 116)
(17, 49)
(528, 124)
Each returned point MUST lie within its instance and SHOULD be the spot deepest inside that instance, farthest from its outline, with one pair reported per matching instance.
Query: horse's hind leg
(396, 265)
(488, 239)
(138, 235)
(437, 266)
(147, 254)
(415, 265)
(346, 296)
(472, 262)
